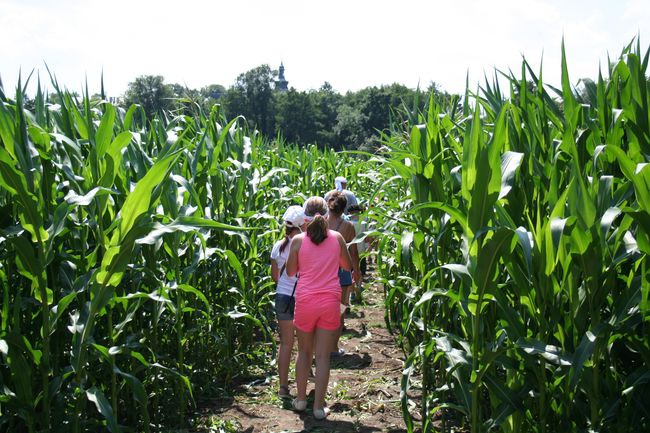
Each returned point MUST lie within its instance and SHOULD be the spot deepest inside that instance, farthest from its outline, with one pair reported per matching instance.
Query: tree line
(354, 120)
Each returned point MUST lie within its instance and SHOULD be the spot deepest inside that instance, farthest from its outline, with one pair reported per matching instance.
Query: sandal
(299, 405)
(284, 392)
(321, 413)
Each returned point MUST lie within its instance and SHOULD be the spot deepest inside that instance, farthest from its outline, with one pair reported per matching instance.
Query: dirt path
(363, 394)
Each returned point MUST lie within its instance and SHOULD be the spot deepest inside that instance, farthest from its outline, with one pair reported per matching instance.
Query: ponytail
(287, 237)
(315, 208)
(317, 229)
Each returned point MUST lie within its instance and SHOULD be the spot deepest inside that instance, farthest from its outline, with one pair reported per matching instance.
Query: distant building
(281, 85)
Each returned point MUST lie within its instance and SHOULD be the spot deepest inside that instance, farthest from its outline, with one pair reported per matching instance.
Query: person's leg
(303, 362)
(284, 354)
(345, 299)
(345, 294)
(324, 340)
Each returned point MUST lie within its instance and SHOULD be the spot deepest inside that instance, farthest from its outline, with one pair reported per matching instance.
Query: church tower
(281, 85)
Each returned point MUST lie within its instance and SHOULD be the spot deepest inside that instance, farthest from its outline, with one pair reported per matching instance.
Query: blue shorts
(345, 278)
(284, 305)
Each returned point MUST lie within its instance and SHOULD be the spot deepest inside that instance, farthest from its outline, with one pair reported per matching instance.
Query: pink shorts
(317, 312)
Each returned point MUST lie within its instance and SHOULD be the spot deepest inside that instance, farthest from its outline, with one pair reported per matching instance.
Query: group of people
(316, 268)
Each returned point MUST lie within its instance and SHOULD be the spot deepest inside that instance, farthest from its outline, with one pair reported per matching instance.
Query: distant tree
(350, 127)
(151, 92)
(252, 97)
(213, 91)
(210, 95)
(296, 116)
(324, 117)
(364, 115)
(235, 103)
(326, 104)
(55, 98)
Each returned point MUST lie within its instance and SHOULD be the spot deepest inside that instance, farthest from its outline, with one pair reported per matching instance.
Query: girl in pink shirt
(317, 256)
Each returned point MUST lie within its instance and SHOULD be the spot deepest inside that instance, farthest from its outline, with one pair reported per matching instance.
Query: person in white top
(360, 226)
(294, 222)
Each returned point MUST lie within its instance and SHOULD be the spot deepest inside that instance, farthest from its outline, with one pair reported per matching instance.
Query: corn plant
(516, 273)
(134, 258)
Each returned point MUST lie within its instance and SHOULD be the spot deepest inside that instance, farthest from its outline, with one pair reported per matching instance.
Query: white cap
(339, 181)
(294, 216)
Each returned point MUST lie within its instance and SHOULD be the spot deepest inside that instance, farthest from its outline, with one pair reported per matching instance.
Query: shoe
(299, 405)
(321, 413)
(283, 392)
(337, 354)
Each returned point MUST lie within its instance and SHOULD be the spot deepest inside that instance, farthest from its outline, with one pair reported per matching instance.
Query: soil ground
(363, 393)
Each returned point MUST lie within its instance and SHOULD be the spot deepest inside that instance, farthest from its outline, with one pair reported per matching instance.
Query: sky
(351, 44)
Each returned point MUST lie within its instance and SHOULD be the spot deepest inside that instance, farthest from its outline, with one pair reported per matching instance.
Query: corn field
(516, 264)
(134, 259)
(513, 231)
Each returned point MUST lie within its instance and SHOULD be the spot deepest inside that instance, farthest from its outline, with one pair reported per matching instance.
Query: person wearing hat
(317, 254)
(294, 221)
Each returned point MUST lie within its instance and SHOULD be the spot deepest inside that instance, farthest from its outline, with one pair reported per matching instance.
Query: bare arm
(292, 261)
(349, 235)
(354, 256)
(275, 272)
(345, 261)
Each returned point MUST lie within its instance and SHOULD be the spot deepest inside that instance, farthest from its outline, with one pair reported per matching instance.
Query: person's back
(317, 256)
(319, 266)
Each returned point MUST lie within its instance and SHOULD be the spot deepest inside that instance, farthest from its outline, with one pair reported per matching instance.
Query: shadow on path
(353, 361)
(313, 425)
(364, 383)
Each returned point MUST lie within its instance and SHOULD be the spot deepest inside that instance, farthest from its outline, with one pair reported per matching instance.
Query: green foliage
(513, 235)
(252, 97)
(150, 92)
(516, 269)
(296, 116)
(322, 117)
(134, 259)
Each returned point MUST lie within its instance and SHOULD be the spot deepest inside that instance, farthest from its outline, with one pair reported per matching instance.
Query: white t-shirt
(360, 228)
(285, 283)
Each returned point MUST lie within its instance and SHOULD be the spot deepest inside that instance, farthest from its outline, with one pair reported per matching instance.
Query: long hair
(337, 202)
(316, 208)
(287, 237)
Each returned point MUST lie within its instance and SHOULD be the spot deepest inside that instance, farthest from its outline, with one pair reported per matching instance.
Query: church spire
(281, 85)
